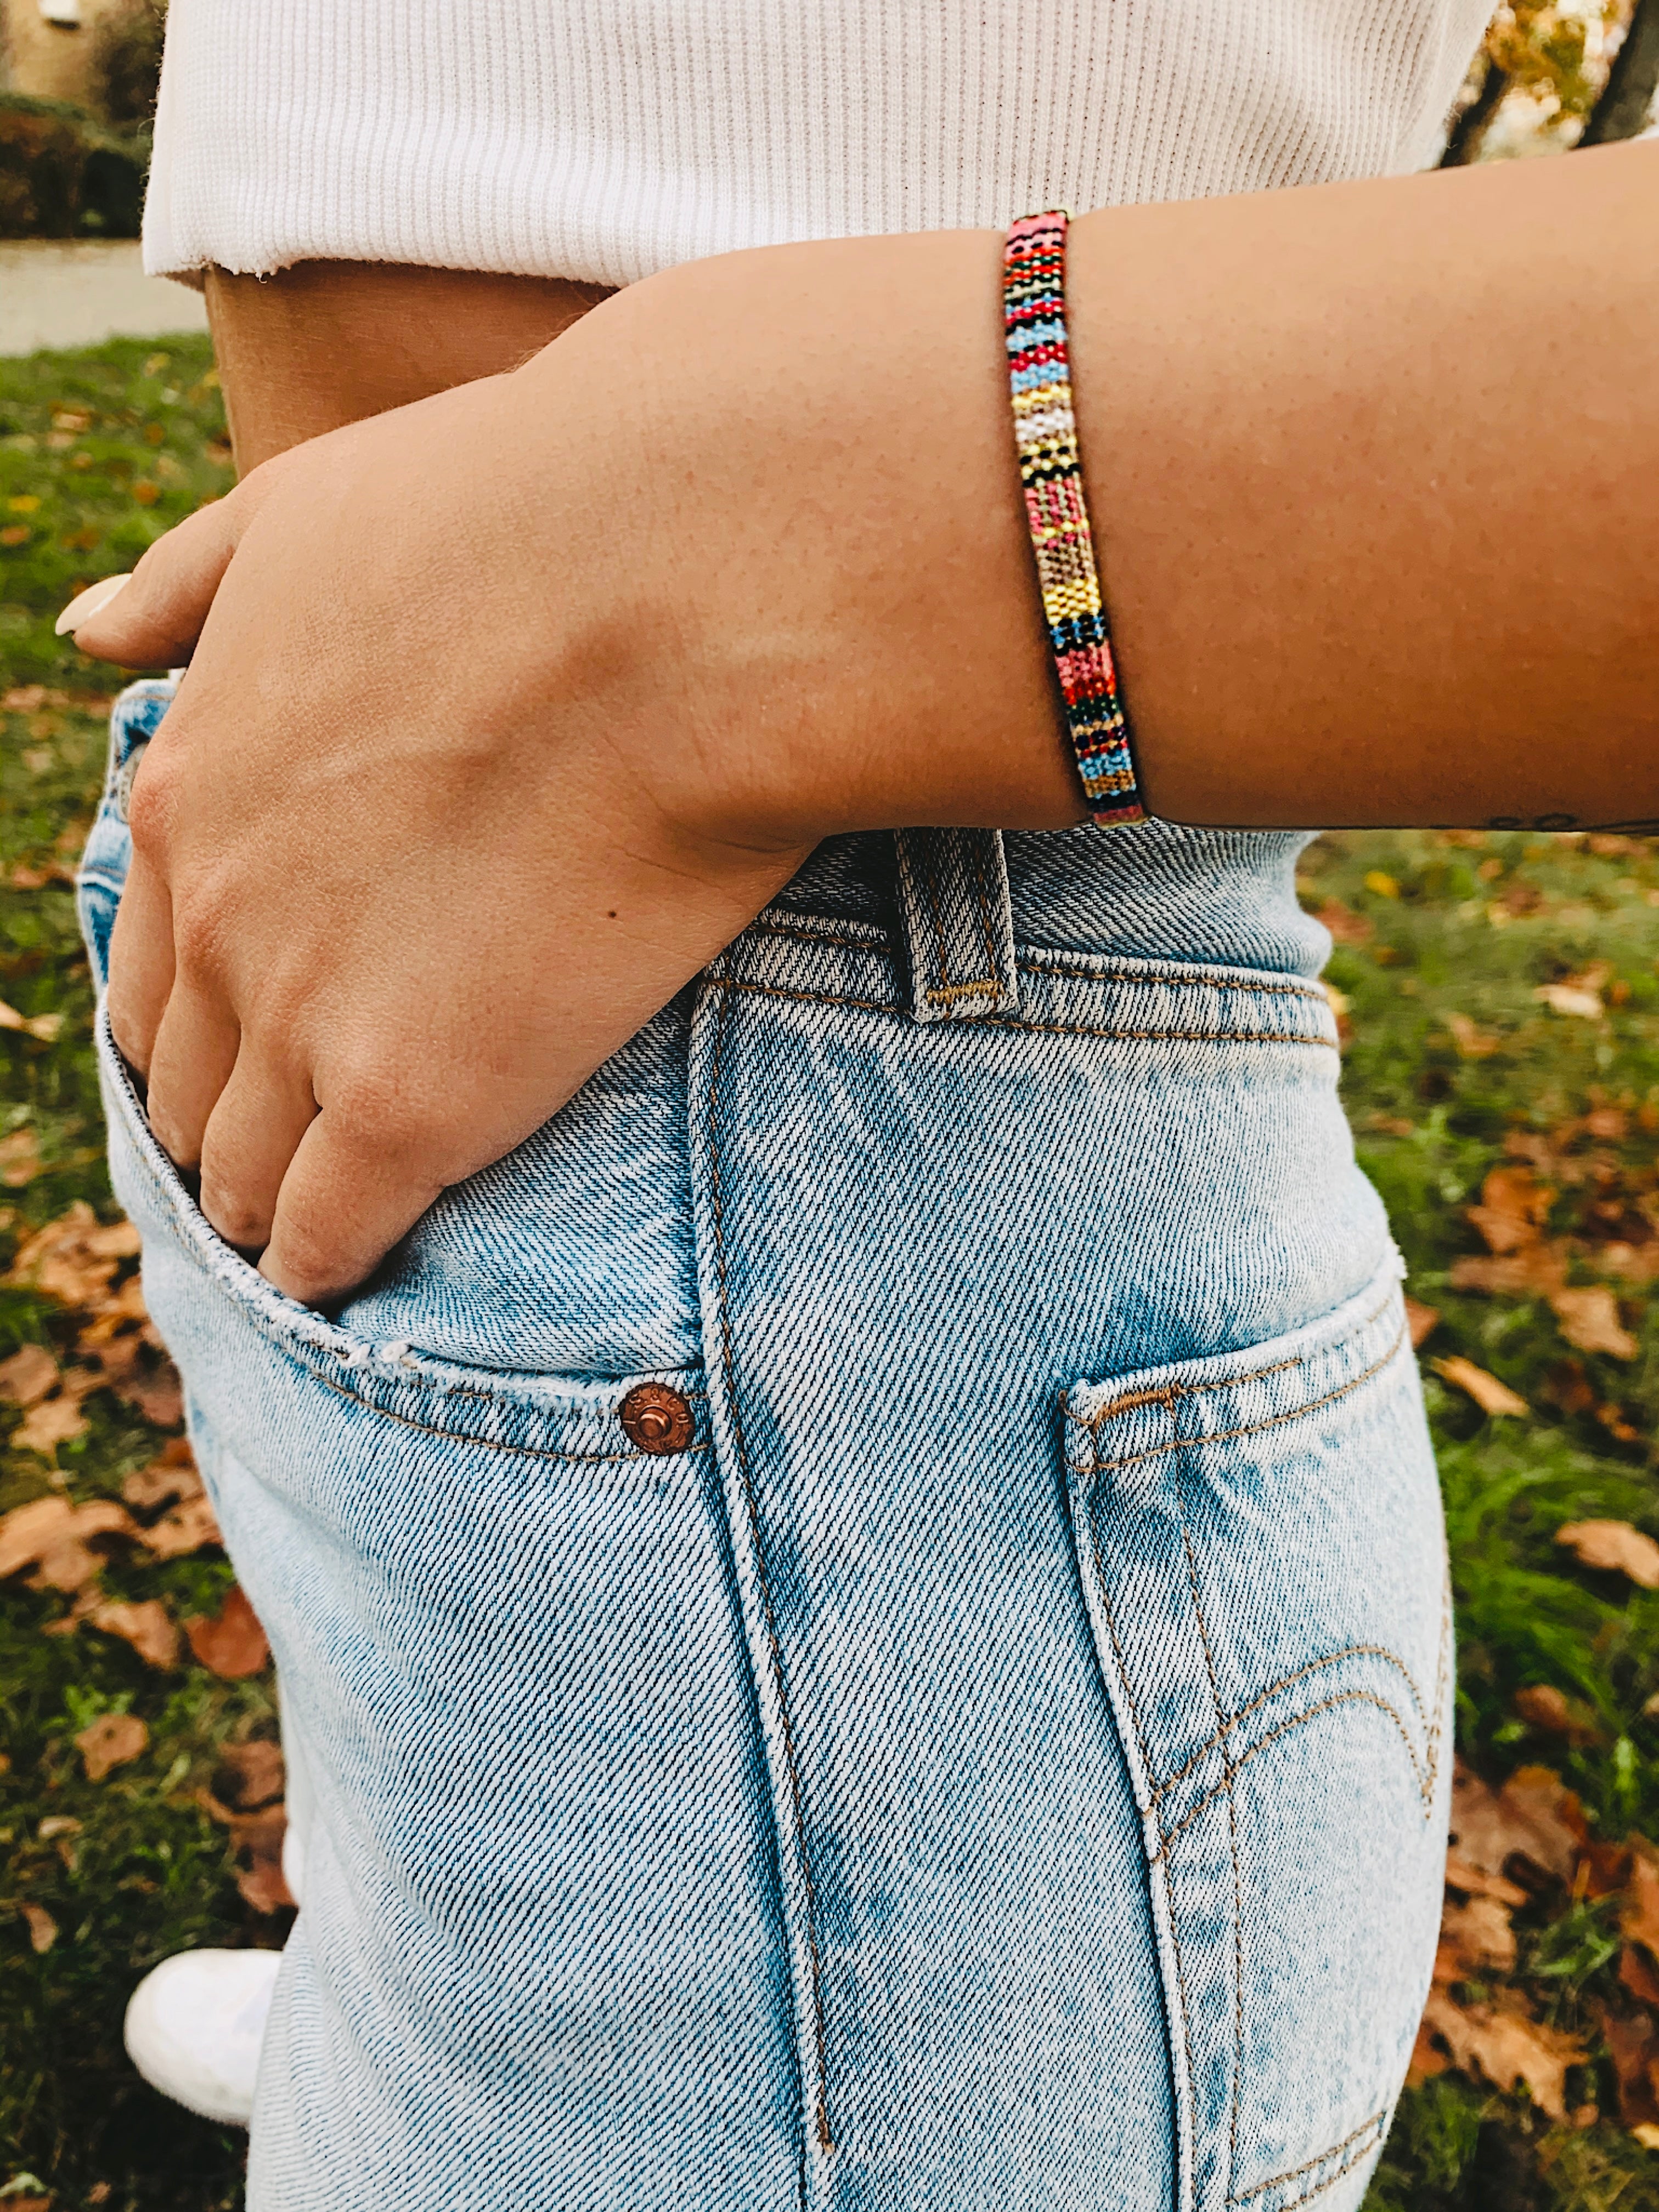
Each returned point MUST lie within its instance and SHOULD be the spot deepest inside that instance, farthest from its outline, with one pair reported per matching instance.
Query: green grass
(1450, 926)
(140, 1871)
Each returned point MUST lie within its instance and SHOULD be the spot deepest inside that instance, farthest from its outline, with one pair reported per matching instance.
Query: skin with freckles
(508, 707)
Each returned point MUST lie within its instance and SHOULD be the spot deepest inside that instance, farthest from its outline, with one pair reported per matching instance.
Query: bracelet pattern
(1050, 471)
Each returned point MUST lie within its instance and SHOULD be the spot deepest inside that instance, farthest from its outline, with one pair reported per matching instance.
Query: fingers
(141, 964)
(152, 619)
(191, 1063)
(249, 1143)
(344, 1203)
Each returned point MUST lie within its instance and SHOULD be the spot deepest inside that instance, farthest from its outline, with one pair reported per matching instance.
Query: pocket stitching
(1249, 1429)
(1172, 1919)
(1425, 1769)
(1331, 1659)
(1365, 2128)
(491, 1443)
(1228, 1771)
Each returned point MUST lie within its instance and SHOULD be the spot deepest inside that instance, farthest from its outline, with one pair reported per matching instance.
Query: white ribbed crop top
(603, 139)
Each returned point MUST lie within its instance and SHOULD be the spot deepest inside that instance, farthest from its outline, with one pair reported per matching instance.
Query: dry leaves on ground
(20, 1160)
(1590, 1320)
(1578, 997)
(1472, 1042)
(83, 1264)
(1542, 1706)
(231, 1644)
(1519, 1261)
(1509, 1845)
(43, 1929)
(249, 1774)
(1422, 1321)
(1613, 1546)
(114, 1740)
(1494, 1398)
(248, 1800)
(1530, 1840)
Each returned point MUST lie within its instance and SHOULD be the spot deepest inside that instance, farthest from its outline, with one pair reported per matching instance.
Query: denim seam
(1423, 1768)
(1308, 2166)
(879, 943)
(941, 950)
(1124, 1677)
(1252, 1428)
(819, 2092)
(1199, 982)
(1285, 1682)
(1232, 1835)
(485, 1444)
(1044, 1028)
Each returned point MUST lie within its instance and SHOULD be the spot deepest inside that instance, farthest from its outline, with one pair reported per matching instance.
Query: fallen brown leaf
(1638, 1975)
(1532, 1830)
(249, 1774)
(1634, 2047)
(148, 1627)
(1472, 1042)
(1614, 1547)
(1476, 1939)
(20, 1160)
(188, 1528)
(75, 1259)
(1504, 2047)
(111, 1742)
(259, 1847)
(1543, 1706)
(33, 1536)
(1427, 2058)
(1347, 926)
(1534, 1271)
(232, 1645)
(54, 1421)
(1422, 1321)
(159, 1396)
(170, 1477)
(1475, 1881)
(1570, 999)
(1494, 1398)
(28, 1375)
(1513, 1209)
(1639, 1921)
(46, 1027)
(1590, 1322)
(43, 1929)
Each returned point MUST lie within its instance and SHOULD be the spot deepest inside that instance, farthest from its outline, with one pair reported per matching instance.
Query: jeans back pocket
(1261, 1554)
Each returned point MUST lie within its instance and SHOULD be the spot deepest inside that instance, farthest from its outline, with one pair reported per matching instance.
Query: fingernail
(91, 602)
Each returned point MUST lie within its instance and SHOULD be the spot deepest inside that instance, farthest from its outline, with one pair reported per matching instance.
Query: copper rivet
(656, 1419)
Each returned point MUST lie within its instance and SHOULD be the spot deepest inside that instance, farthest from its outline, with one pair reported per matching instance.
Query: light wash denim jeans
(996, 1757)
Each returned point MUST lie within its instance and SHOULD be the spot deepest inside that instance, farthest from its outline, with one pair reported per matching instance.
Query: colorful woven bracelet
(1045, 432)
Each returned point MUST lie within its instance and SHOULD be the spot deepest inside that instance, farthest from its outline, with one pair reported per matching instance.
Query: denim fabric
(999, 1762)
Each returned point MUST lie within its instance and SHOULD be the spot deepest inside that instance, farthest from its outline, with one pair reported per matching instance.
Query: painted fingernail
(91, 602)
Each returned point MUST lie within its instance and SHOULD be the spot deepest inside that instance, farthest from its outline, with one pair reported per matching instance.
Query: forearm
(1371, 469)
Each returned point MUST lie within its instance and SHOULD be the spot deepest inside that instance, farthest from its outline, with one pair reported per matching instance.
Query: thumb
(152, 618)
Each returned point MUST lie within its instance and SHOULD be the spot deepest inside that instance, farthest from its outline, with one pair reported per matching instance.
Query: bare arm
(739, 560)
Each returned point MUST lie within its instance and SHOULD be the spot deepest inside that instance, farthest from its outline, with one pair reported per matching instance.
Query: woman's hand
(508, 710)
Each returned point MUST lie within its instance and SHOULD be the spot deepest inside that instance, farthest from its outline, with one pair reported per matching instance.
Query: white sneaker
(195, 2024)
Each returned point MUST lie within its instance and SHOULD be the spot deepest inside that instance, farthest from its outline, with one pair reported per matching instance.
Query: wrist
(839, 542)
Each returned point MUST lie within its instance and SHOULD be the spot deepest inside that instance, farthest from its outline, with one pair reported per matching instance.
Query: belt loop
(958, 924)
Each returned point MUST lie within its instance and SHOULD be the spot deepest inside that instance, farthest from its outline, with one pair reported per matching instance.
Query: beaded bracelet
(1045, 433)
